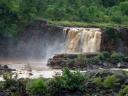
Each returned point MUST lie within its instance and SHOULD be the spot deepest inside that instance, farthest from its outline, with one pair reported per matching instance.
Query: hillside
(16, 14)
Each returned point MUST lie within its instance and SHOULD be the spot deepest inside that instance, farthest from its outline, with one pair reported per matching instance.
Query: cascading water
(46, 42)
(39, 45)
(83, 40)
(73, 41)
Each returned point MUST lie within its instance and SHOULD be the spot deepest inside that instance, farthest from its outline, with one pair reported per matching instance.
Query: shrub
(69, 81)
(124, 7)
(10, 81)
(104, 56)
(13, 85)
(111, 81)
(117, 19)
(124, 91)
(74, 80)
(56, 86)
(116, 14)
(98, 81)
(109, 3)
(93, 60)
(117, 57)
(37, 87)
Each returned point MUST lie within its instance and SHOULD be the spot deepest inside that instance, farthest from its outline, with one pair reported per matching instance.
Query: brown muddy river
(37, 68)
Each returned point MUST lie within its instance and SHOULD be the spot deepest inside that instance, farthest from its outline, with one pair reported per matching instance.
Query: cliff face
(115, 40)
(34, 42)
(41, 40)
(38, 40)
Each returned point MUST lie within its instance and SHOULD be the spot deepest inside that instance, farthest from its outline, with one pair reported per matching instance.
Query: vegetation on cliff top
(16, 14)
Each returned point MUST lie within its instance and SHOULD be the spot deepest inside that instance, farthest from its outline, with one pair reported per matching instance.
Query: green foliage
(93, 60)
(103, 56)
(109, 3)
(124, 7)
(124, 91)
(37, 87)
(116, 18)
(13, 85)
(56, 85)
(16, 14)
(74, 80)
(98, 81)
(111, 81)
(69, 81)
(117, 57)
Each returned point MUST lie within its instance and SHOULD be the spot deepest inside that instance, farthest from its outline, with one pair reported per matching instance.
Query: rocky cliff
(41, 40)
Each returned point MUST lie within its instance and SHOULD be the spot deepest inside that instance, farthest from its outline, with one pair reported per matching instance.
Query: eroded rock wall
(115, 40)
(41, 40)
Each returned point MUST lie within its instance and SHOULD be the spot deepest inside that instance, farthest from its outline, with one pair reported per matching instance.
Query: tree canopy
(15, 14)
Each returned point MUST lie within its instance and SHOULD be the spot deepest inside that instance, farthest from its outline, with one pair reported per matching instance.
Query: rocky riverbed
(37, 69)
(28, 69)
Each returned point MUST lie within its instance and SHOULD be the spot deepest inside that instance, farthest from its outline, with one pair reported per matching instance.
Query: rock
(5, 66)
(30, 74)
(4, 93)
(119, 65)
(105, 64)
(126, 82)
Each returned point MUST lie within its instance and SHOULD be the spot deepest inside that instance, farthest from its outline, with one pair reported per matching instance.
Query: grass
(85, 24)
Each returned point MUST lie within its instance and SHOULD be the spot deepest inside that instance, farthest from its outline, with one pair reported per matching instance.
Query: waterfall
(83, 40)
(73, 40)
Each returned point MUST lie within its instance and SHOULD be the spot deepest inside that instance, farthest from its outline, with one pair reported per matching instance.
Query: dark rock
(121, 65)
(126, 82)
(2, 93)
(105, 64)
(30, 74)
(115, 43)
(5, 67)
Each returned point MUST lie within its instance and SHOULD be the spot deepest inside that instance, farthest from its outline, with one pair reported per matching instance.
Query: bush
(111, 82)
(124, 91)
(56, 86)
(104, 56)
(116, 14)
(117, 57)
(109, 3)
(69, 81)
(37, 87)
(117, 19)
(10, 81)
(93, 60)
(98, 81)
(15, 86)
(124, 7)
(74, 80)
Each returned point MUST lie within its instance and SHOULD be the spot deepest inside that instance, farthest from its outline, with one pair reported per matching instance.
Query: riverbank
(69, 83)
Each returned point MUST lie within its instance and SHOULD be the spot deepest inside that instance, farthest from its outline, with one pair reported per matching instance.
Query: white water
(23, 68)
(76, 40)
(83, 39)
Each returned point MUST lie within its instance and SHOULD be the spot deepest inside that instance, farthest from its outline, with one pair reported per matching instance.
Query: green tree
(124, 7)
(37, 87)
(109, 3)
